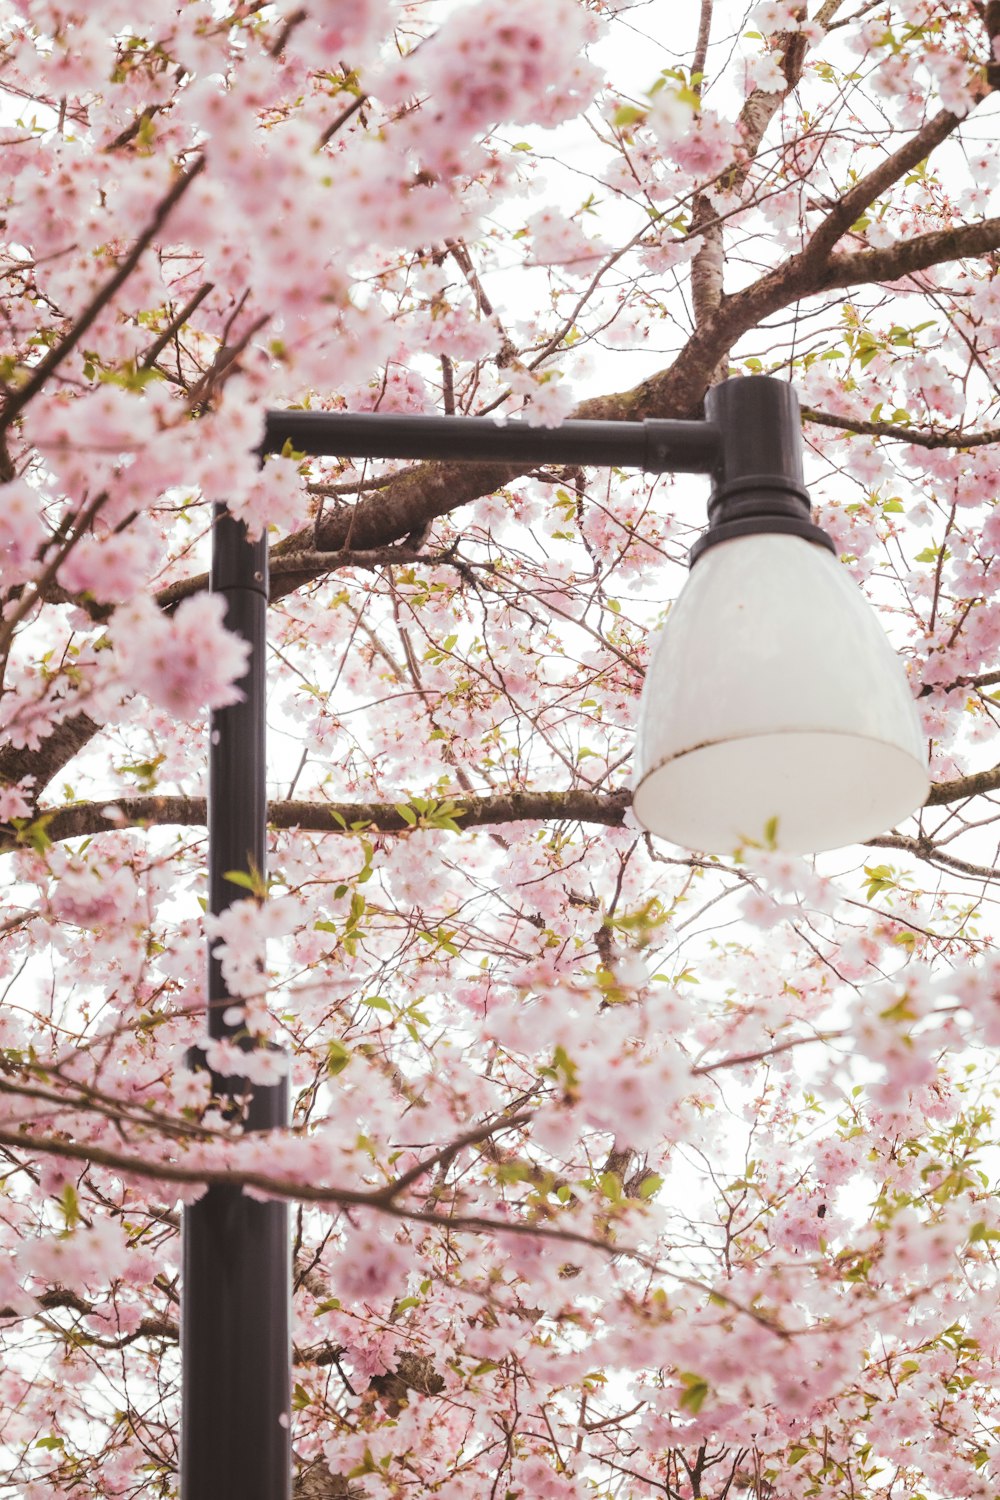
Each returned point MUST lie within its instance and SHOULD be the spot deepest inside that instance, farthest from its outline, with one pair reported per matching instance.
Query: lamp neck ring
(762, 491)
(751, 504)
(761, 525)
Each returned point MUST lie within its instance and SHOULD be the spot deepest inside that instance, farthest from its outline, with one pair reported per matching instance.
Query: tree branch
(576, 805)
(925, 848)
(895, 262)
(381, 1200)
(951, 438)
(16, 402)
(973, 785)
(410, 500)
(83, 819)
(863, 194)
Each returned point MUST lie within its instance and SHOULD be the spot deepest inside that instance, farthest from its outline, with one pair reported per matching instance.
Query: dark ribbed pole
(235, 1293)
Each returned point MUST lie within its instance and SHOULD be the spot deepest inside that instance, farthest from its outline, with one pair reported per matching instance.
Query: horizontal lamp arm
(656, 445)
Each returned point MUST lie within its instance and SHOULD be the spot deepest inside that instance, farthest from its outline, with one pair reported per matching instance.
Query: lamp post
(774, 709)
(236, 1254)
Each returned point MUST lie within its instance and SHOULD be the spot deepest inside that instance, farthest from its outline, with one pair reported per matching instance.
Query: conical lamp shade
(775, 709)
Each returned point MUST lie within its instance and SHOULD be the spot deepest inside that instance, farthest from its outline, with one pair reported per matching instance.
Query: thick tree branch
(66, 741)
(896, 262)
(973, 785)
(680, 389)
(864, 193)
(708, 266)
(577, 805)
(83, 819)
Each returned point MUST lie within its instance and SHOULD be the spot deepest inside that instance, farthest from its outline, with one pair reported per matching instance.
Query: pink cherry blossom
(185, 661)
(605, 1155)
(22, 529)
(372, 1266)
(764, 73)
(111, 568)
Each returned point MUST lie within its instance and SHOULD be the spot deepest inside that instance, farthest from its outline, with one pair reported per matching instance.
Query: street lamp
(774, 710)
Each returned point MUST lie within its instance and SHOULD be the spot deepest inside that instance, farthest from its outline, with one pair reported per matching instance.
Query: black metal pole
(657, 446)
(750, 442)
(236, 1288)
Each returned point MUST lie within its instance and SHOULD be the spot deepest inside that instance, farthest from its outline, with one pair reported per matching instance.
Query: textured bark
(317, 1483)
(603, 809)
(708, 266)
(948, 439)
(82, 819)
(974, 785)
(52, 754)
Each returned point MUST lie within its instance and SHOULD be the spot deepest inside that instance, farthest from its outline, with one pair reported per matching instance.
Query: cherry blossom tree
(617, 1170)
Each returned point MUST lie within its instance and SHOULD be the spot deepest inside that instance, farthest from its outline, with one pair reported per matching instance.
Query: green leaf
(695, 1392)
(367, 1466)
(337, 1057)
(564, 1064)
(880, 878)
(627, 114)
(611, 1186)
(70, 1205)
(34, 833)
(144, 771)
(407, 814)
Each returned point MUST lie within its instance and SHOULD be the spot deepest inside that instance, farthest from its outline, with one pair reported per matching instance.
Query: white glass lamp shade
(775, 709)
